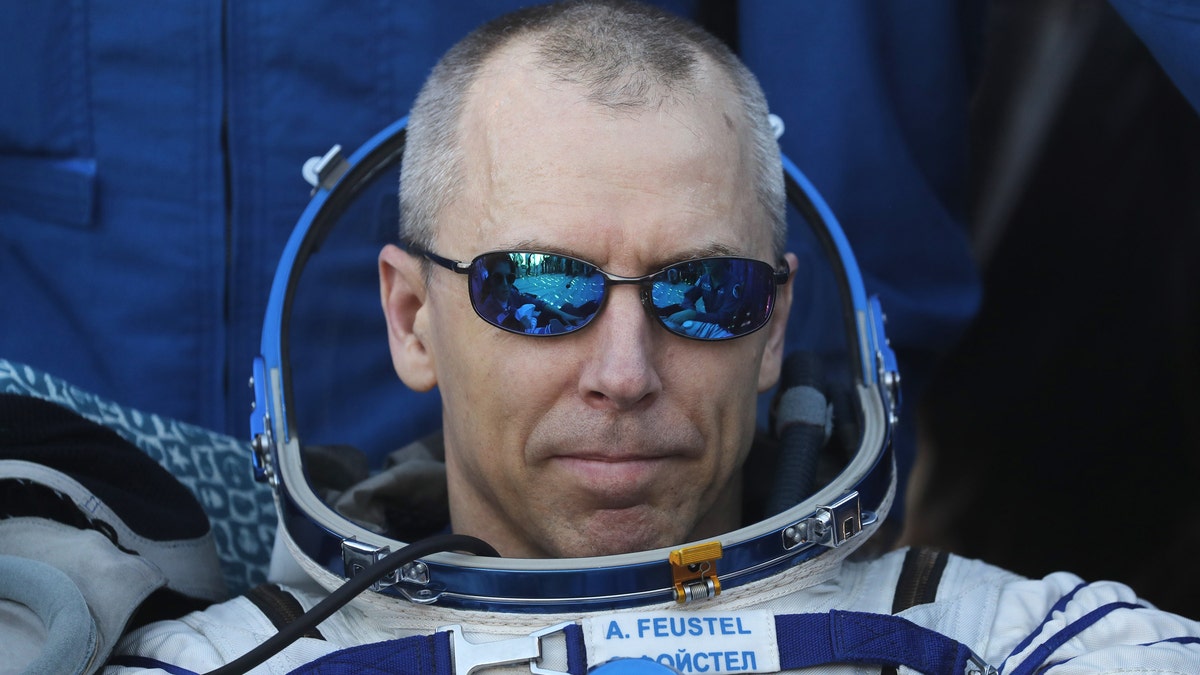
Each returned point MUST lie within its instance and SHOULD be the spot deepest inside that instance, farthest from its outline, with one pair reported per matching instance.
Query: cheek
(721, 375)
(493, 385)
(718, 387)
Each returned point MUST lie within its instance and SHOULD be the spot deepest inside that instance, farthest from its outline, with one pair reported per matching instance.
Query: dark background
(1062, 432)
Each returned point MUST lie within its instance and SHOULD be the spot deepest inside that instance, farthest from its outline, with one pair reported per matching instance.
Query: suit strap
(919, 578)
(803, 641)
(918, 583)
(280, 607)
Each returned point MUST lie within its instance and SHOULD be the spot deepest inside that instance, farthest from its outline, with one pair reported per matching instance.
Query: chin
(599, 549)
(608, 536)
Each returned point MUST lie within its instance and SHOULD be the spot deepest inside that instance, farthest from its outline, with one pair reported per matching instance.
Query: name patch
(689, 642)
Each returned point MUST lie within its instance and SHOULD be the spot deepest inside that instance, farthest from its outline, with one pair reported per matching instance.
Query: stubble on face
(620, 437)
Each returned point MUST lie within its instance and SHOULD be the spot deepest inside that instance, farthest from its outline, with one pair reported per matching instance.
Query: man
(711, 301)
(505, 304)
(550, 152)
(625, 146)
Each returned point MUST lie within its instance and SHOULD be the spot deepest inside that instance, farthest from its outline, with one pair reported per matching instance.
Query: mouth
(617, 480)
(618, 461)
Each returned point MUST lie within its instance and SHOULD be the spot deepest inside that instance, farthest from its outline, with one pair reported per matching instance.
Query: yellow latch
(695, 571)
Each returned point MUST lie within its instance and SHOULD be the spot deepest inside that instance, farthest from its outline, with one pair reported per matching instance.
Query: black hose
(348, 591)
(801, 421)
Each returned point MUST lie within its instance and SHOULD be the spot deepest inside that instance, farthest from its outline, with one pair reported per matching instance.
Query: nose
(620, 372)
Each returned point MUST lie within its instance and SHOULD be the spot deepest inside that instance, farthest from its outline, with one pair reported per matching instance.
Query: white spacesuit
(779, 595)
(1015, 624)
(800, 584)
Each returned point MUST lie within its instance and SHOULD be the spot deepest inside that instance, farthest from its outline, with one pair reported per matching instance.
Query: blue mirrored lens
(548, 294)
(714, 298)
(535, 293)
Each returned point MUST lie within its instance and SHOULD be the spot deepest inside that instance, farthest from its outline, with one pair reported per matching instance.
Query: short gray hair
(626, 57)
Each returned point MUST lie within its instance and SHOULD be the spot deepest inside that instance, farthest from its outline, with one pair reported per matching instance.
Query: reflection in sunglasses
(534, 293)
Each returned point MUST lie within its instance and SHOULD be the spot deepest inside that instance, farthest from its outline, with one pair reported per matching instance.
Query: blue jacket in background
(150, 160)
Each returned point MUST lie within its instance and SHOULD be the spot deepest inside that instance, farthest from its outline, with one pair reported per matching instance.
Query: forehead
(544, 166)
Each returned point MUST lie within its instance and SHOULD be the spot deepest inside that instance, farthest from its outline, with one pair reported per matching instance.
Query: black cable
(348, 591)
(800, 426)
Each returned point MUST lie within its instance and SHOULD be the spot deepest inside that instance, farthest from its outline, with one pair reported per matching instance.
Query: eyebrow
(709, 250)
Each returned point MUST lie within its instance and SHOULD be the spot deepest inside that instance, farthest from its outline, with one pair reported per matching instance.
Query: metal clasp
(324, 172)
(357, 556)
(469, 656)
(694, 571)
(411, 579)
(831, 525)
(260, 426)
(886, 368)
(977, 666)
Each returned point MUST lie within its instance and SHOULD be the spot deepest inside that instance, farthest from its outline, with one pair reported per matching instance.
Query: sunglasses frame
(779, 276)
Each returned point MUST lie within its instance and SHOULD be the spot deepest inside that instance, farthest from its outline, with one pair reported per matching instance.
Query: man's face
(500, 280)
(619, 437)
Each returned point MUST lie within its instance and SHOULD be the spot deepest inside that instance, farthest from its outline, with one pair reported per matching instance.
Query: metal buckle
(469, 656)
(260, 427)
(357, 556)
(324, 172)
(694, 570)
(977, 666)
(886, 368)
(840, 520)
(831, 525)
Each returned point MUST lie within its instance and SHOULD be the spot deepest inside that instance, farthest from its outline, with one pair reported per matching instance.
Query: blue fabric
(1170, 29)
(1058, 607)
(1037, 659)
(59, 191)
(197, 124)
(807, 640)
(417, 655)
(804, 640)
(1179, 640)
(147, 285)
(148, 663)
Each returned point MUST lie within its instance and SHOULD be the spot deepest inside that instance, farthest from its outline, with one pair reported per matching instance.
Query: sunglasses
(536, 293)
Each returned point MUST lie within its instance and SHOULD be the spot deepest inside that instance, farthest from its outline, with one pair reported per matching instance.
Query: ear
(772, 360)
(403, 294)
